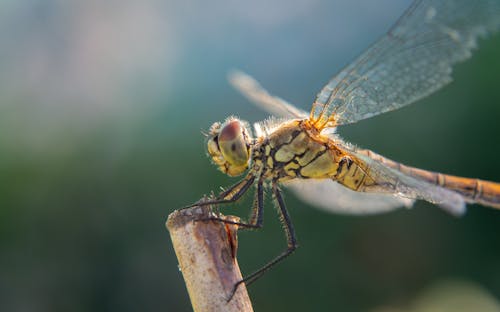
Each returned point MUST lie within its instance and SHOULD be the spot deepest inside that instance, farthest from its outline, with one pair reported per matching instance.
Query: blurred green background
(102, 105)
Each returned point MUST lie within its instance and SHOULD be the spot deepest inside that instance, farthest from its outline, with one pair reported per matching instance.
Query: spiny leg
(290, 235)
(230, 195)
(257, 215)
(234, 192)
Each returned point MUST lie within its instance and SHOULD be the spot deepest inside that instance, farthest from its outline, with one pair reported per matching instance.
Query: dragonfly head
(229, 146)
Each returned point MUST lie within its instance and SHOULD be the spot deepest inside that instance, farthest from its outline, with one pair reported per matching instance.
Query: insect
(303, 151)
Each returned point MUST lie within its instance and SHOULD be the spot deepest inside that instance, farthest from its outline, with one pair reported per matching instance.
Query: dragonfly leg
(230, 195)
(291, 241)
(257, 216)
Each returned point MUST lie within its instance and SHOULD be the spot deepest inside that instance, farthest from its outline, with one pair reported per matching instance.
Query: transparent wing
(411, 61)
(331, 196)
(254, 92)
(396, 182)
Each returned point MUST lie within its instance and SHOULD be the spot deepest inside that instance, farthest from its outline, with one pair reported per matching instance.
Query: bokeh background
(102, 104)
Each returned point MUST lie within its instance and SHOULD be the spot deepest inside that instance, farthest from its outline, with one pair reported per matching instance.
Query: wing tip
(237, 77)
(455, 208)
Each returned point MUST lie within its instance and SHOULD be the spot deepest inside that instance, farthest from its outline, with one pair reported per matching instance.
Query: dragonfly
(303, 151)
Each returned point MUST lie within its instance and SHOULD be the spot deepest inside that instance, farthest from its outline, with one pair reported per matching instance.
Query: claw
(235, 288)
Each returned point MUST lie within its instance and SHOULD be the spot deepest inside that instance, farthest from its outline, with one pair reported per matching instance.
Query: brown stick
(206, 251)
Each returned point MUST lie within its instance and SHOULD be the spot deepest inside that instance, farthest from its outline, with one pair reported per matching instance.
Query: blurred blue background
(102, 105)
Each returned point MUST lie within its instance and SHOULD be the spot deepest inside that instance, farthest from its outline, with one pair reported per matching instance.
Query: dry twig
(206, 251)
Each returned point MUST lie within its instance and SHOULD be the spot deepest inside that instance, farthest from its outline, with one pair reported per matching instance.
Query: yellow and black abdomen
(473, 190)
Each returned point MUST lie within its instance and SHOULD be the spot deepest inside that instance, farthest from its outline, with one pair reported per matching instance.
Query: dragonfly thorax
(229, 146)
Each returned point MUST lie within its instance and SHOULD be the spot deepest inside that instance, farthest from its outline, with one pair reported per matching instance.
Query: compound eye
(213, 146)
(233, 145)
